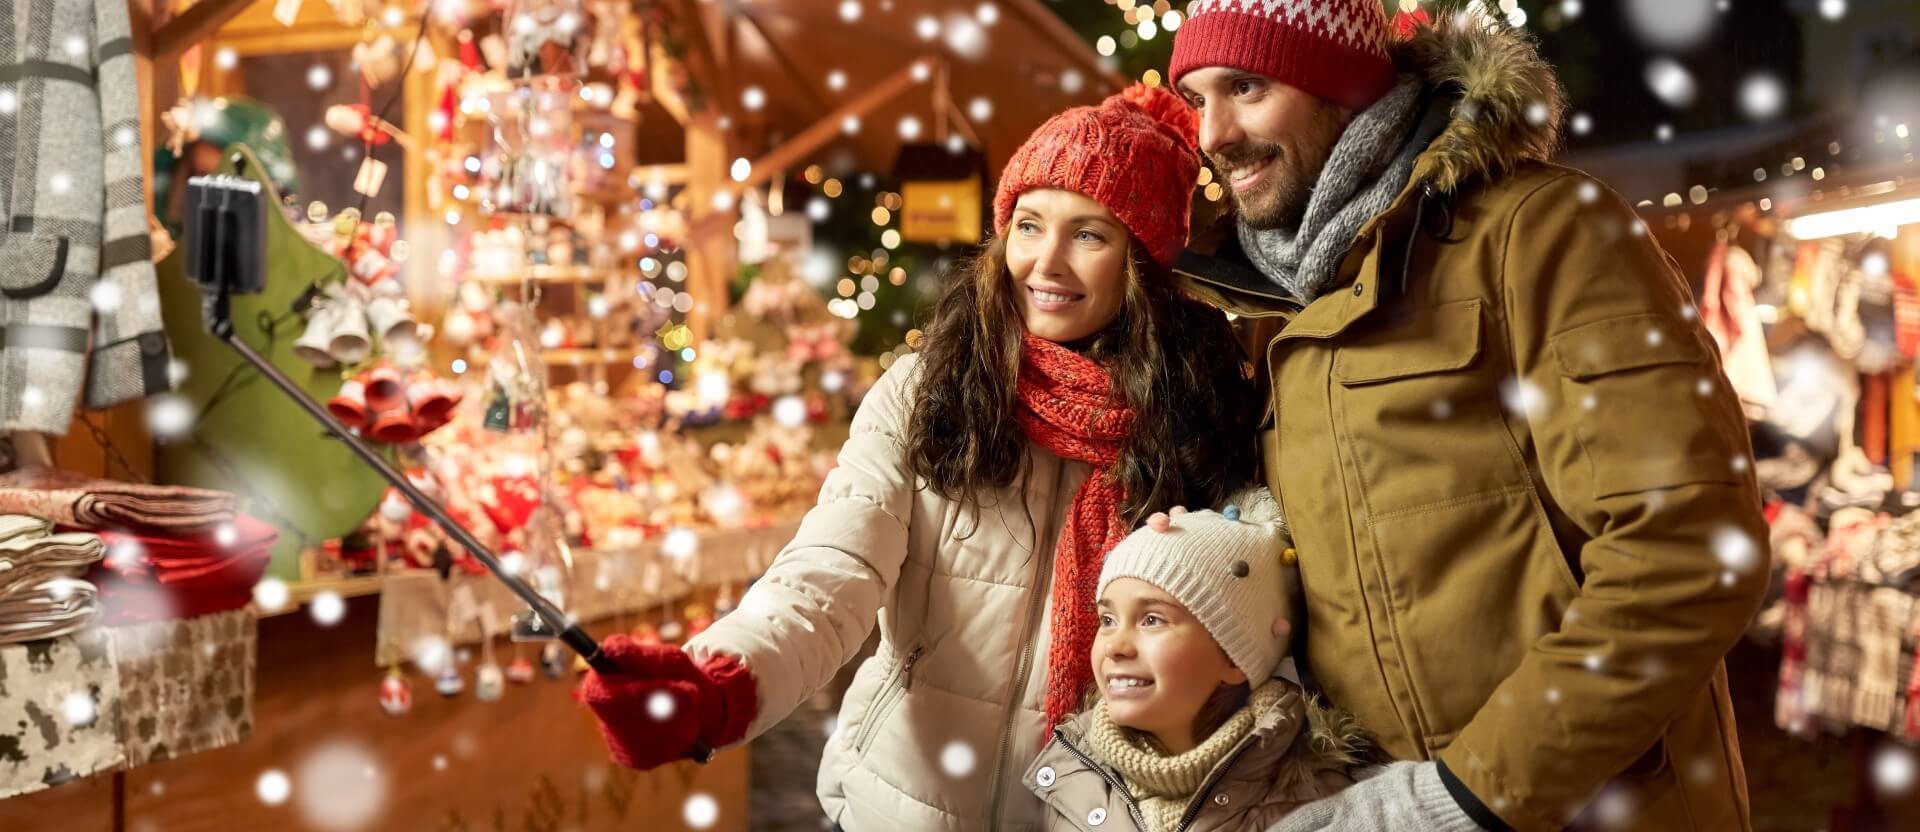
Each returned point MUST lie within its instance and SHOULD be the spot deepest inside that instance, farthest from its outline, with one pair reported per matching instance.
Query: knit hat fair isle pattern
(1134, 153)
(1333, 49)
(1227, 568)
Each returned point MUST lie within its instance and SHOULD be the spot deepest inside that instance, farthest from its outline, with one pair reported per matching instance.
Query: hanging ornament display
(449, 684)
(520, 671)
(489, 683)
(396, 696)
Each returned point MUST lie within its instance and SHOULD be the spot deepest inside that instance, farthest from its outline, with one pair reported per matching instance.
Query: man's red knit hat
(1134, 153)
(1334, 49)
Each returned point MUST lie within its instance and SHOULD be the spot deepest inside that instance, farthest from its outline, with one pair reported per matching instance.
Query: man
(1518, 485)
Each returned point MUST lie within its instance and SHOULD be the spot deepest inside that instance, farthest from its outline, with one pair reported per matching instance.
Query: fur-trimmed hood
(1509, 103)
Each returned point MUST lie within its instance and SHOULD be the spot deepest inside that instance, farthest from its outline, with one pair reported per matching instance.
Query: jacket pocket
(893, 689)
(1447, 339)
(31, 265)
(1416, 413)
(1652, 405)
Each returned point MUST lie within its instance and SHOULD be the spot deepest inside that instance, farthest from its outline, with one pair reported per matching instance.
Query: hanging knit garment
(1067, 406)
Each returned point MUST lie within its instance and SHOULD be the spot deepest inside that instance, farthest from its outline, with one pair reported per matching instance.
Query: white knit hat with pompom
(1227, 568)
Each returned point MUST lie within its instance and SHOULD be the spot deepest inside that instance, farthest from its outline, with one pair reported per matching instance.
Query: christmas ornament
(396, 698)
(489, 683)
(449, 684)
(520, 671)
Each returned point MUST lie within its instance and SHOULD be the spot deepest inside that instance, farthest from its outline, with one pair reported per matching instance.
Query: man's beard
(1278, 202)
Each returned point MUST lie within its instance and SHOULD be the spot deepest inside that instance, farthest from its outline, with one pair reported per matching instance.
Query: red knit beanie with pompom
(1133, 153)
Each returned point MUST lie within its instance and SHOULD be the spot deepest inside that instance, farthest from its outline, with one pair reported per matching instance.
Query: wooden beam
(786, 63)
(663, 174)
(701, 61)
(1051, 27)
(193, 26)
(819, 133)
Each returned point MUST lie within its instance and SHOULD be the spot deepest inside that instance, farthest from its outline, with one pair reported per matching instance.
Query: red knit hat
(1334, 49)
(1133, 153)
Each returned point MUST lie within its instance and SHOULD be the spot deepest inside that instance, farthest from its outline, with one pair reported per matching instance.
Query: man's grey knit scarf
(1368, 167)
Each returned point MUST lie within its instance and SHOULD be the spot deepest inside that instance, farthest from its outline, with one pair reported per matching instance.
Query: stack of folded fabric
(154, 577)
(83, 502)
(42, 594)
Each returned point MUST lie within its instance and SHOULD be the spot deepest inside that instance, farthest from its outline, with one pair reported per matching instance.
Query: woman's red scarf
(1067, 406)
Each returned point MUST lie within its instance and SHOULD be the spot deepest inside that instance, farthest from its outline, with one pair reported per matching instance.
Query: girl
(1065, 391)
(1189, 729)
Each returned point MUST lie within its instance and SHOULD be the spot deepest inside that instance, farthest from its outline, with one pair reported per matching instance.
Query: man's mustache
(1226, 162)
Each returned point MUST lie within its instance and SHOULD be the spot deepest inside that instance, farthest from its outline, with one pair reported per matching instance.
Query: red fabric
(1133, 153)
(1875, 412)
(713, 702)
(1333, 49)
(171, 577)
(1906, 315)
(1067, 406)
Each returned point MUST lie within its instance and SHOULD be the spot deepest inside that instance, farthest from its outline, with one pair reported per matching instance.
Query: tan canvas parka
(1519, 487)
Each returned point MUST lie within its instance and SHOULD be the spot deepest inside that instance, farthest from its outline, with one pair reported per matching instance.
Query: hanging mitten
(660, 706)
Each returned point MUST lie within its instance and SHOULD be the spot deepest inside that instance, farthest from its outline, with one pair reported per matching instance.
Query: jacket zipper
(1133, 806)
(1200, 800)
(1019, 680)
(899, 679)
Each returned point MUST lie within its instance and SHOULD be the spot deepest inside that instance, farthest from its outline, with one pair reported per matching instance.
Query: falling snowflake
(273, 787)
(1701, 770)
(1703, 387)
(169, 416)
(660, 706)
(8, 102)
(1735, 550)
(1523, 398)
(1740, 464)
(1663, 132)
(431, 653)
(327, 608)
(1833, 9)
(850, 125)
(1762, 96)
(1553, 696)
(1894, 771)
(1588, 192)
(1537, 113)
(439, 762)
(927, 28)
(341, 787)
(1595, 662)
(1614, 809)
(270, 594)
(318, 77)
(965, 36)
(957, 759)
(680, 544)
(1671, 24)
(1589, 402)
(1071, 81)
(79, 709)
(909, 128)
(829, 726)
(700, 811)
(1440, 409)
(177, 371)
(1671, 82)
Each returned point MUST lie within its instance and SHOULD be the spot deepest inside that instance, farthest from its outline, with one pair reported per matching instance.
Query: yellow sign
(941, 212)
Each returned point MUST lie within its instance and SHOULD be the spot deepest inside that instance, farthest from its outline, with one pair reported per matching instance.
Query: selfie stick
(226, 208)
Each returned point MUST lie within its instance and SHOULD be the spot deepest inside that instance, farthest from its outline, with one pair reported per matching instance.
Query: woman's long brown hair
(1173, 359)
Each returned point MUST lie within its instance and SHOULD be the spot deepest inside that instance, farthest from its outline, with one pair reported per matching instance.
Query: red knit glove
(698, 707)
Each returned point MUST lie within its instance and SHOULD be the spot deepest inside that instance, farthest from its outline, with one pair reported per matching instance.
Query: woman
(1065, 391)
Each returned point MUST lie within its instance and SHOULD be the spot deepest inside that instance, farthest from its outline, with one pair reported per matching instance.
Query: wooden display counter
(531, 762)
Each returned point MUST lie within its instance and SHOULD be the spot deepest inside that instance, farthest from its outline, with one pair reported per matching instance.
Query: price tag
(372, 173)
(286, 11)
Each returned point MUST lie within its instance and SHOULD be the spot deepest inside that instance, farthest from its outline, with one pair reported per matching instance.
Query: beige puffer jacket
(1298, 751)
(941, 722)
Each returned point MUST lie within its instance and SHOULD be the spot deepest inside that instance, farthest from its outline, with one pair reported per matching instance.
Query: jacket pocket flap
(1626, 343)
(31, 265)
(1438, 340)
